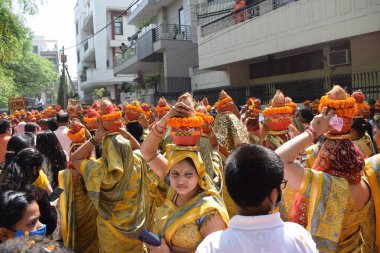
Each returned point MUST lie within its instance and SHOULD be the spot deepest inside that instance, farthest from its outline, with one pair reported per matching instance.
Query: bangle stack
(93, 141)
(156, 132)
(312, 133)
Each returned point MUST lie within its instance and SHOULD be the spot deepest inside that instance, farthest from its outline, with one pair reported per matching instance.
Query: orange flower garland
(76, 137)
(195, 121)
(134, 108)
(162, 108)
(89, 120)
(277, 110)
(377, 103)
(292, 104)
(343, 108)
(111, 116)
(255, 110)
(362, 106)
(223, 102)
(207, 118)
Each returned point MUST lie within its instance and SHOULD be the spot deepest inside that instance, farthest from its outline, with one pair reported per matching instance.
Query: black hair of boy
(251, 173)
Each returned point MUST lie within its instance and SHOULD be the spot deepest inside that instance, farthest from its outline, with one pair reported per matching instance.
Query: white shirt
(259, 234)
(65, 141)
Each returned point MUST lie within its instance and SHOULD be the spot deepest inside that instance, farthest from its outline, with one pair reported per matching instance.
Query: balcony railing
(208, 12)
(172, 32)
(160, 32)
(134, 6)
(254, 10)
(125, 56)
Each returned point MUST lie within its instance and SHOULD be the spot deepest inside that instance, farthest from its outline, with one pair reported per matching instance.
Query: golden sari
(365, 145)
(333, 220)
(371, 225)
(42, 181)
(181, 226)
(116, 185)
(78, 215)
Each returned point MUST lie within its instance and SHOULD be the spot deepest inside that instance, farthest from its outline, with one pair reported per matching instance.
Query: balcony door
(181, 22)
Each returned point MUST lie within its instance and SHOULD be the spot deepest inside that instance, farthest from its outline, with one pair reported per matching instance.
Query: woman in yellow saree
(337, 197)
(193, 209)
(117, 186)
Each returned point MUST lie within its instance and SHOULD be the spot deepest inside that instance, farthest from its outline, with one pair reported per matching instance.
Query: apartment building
(102, 27)
(300, 47)
(49, 50)
(163, 47)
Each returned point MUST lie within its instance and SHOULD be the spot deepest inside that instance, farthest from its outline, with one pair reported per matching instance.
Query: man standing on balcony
(239, 11)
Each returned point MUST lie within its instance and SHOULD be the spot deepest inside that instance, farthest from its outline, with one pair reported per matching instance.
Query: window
(181, 18)
(78, 57)
(119, 26)
(76, 28)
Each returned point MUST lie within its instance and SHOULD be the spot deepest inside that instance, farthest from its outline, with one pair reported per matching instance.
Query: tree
(100, 93)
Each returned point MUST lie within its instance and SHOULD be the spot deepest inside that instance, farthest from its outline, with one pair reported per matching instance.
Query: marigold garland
(222, 102)
(363, 106)
(147, 114)
(277, 110)
(207, 118)
(292, 104)
(77, 136)
(111, 116)
(162, 108)
(343, 108)
(254, 110)
(377, 104)
(195, 121)
(90, 120)
(134, 108)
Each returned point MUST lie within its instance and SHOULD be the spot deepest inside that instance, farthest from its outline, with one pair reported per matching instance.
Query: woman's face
(183, 177)
(30, 220)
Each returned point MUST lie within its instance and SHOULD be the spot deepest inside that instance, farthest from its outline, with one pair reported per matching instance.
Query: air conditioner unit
(339, 58)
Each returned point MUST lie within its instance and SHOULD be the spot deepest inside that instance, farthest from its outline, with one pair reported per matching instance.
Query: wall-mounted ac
(339, 58)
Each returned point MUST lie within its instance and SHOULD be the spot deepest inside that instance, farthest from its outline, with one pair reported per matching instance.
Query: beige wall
(296, 25)
(172, 12)
(365, 53)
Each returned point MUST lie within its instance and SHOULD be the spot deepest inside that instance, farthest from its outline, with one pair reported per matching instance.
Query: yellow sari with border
(328, 199)
(117, 186)
(170, 219)
(371, 226)
(78, 215)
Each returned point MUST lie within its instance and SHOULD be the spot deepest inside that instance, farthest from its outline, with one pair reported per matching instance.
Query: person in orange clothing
(5, 135)
(239, 11)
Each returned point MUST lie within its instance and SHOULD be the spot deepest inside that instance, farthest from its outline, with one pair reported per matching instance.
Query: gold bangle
(153, 157)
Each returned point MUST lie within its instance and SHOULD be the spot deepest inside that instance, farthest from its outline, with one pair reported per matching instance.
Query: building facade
(301, 47)
(48, 49)
(101, 27)
(163, 48)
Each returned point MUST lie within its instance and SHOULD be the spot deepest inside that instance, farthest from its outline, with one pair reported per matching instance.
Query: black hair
(30, 127)
(307, 115)
(15, 144)
(62, 117)
(360, 126)
(4, 126)
(251, 173)
(52, 124)
(136, 130)
(13, 205)
(50, 147)
(20, 173)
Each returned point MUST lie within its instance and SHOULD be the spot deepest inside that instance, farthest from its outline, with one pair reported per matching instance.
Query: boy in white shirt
(254, 177)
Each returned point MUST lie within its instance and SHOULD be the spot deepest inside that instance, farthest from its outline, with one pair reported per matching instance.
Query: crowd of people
(191, 177)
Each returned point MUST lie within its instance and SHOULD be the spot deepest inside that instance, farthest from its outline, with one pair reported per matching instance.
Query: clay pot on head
(278, 122)
(186, 136)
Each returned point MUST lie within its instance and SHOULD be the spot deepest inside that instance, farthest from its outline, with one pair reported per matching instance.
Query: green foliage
(100, 93)
(21, 71)
(144, 22)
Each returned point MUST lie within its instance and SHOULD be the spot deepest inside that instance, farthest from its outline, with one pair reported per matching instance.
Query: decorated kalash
(176, 220)
(230, 131)
(277, 122)
(115, 184)
(206, 104)
(251, 120)
(306, 104)
(360, 126)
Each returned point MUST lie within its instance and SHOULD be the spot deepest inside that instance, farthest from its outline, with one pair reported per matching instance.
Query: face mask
(41, 232)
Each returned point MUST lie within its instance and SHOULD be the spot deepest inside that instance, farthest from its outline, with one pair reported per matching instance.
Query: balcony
(146, 54)
(258, 8)
(144, 8)
(210, 11)
(88, 51)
